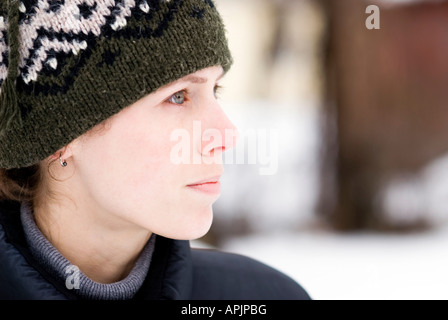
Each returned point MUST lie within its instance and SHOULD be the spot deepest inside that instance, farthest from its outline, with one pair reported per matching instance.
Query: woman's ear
(67, 151)
(63, 153)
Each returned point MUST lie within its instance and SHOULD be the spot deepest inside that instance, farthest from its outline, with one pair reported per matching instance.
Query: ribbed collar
(74, 279)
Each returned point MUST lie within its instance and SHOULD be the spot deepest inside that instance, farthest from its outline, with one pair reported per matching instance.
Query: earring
(62, 162)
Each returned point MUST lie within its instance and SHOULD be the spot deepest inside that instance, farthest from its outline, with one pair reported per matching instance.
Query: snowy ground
(328, 265)
(359, 266)
(363, 266)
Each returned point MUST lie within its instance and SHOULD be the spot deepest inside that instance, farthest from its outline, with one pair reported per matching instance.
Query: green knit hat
(67, 65)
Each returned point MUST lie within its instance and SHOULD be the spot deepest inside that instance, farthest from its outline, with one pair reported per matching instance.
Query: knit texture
(82, 61)
(54, 262)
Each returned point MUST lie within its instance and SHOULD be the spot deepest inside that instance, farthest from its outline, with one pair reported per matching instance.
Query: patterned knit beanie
(67, 65)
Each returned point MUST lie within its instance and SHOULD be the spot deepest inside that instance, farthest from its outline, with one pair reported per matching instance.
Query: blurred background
(357, 123)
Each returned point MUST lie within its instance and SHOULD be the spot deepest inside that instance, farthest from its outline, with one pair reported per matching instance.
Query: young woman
(94, 203)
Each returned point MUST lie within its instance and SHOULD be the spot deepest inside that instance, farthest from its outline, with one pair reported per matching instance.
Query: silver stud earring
(62, 162)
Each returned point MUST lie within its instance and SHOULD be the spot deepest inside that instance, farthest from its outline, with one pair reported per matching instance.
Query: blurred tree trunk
(386, 103)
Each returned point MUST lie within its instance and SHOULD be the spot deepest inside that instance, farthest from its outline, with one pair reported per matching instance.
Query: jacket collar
(170, 276)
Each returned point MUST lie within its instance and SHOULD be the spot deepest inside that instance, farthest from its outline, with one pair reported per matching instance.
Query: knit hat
(67, 65)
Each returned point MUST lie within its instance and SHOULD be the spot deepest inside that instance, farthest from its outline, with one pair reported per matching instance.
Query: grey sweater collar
(74, 279)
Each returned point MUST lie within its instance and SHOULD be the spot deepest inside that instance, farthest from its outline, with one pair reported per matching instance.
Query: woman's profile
(93, 205)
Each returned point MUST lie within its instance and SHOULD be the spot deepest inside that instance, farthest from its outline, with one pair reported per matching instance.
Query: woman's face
(157, 166)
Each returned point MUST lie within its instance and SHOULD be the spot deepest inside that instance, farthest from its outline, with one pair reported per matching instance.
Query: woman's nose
(219, 133)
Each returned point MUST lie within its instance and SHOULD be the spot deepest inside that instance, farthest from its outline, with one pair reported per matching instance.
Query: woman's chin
(196, 227)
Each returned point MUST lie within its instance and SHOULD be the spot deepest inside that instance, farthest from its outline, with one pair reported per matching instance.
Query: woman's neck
(102, 246)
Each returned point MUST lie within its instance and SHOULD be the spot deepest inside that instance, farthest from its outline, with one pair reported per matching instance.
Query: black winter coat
(177, 272)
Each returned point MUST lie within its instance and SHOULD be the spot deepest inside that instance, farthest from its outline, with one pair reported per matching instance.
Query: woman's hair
(22, 184)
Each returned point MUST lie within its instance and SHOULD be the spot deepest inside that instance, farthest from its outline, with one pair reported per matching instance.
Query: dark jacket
(177, 272)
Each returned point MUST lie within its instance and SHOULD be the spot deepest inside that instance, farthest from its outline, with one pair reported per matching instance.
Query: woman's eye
(177, 98)
(217, 91)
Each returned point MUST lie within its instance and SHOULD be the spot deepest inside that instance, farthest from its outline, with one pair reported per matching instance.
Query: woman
(95, 205)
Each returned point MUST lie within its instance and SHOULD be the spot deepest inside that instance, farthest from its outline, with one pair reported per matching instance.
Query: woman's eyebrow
(196, 79)
(193, 79)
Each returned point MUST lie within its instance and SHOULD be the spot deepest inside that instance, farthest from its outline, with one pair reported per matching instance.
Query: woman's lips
(211, 187)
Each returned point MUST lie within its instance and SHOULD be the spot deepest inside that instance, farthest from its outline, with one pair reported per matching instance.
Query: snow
(420, 195)
(362, 266)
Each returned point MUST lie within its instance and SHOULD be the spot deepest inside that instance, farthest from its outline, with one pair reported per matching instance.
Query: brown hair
(22, 184)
